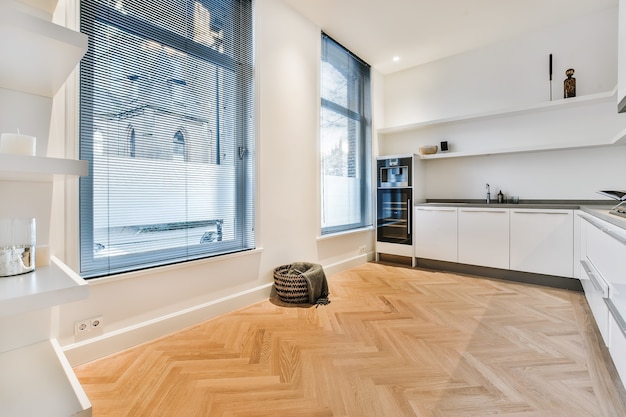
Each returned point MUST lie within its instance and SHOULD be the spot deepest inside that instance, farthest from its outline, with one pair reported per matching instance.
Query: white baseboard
(116, 341)
(348, 263)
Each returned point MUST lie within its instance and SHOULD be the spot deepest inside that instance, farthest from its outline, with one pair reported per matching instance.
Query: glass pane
(339, 146)
(341, 186)
(204, 21)
(164, 149)
(334, 85)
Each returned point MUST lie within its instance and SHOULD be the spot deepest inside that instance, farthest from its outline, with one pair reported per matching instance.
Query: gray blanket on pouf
(316, 281)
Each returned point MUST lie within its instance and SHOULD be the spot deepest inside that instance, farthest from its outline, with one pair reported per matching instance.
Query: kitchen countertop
(603, 214)
(596, 208)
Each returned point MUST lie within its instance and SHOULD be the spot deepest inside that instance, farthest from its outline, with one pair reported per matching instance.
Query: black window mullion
(339, 109)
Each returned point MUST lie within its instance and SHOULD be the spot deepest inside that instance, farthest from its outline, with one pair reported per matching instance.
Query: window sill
(347, 232)
(151, 271)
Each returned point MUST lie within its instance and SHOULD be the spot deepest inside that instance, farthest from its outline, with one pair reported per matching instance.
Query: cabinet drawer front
(606, 251)
(484, 237)
(595, 292)
(617, 344)
(542, 241)
(435, 233)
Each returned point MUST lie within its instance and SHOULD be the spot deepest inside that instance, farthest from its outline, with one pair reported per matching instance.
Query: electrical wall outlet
(95, 324)
(81, 327)
(87, 328)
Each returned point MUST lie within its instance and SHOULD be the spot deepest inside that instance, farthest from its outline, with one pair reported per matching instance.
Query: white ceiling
(420, 31)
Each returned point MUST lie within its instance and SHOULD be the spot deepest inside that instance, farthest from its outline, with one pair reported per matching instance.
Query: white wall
(514, 74)
(547, 175)
(508, 73)
(143, 305)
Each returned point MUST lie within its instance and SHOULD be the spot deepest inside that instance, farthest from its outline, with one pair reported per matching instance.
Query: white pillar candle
(15, 143)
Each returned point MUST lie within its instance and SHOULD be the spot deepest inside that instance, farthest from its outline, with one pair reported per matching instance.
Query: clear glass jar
(17, 246)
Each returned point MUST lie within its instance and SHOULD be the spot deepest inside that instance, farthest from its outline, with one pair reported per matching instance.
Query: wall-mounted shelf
(535, 108)
(37, 58)
(38, 55)
(37, 380)
(43, 288)
(38, 168)
(619, 139)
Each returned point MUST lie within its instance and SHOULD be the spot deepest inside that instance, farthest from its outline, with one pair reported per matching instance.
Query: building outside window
(131, 142)
(345, 140)
(178, 146)
(167, 123)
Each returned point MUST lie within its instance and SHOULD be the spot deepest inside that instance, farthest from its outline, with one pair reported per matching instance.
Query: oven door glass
(394, 216)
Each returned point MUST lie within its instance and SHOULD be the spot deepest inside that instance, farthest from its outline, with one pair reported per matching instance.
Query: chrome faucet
(488, 194)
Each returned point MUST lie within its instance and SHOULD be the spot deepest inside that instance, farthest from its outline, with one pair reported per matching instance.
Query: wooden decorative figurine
(569, 85)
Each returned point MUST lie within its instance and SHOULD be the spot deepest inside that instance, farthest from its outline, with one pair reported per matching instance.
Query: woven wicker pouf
(290, 288)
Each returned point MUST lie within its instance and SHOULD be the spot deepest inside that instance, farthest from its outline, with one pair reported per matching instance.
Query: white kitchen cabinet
(604, 253)
(435, 233)
(595, 288)
(484, 236)
(579, 251)
(542, 241)
(596, 292)
(617, 343)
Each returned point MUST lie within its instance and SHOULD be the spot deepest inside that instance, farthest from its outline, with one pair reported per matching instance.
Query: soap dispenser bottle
(500, 197)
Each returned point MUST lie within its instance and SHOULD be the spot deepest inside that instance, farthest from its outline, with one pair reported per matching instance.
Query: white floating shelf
(39, 168)
(513, 111)
(619, 139)
(37, 380)
(45, 287)
(484, 152)
(38, 55)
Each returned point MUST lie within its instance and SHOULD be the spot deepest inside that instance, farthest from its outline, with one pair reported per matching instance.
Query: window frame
(244, 135)
(364, 119)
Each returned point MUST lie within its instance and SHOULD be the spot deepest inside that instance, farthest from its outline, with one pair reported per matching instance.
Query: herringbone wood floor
(394, 341)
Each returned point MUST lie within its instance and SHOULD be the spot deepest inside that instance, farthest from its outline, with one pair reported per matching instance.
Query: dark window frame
(358, 92)
(239, 63)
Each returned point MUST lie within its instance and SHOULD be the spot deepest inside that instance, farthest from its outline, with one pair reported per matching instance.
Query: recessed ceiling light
(396, 58)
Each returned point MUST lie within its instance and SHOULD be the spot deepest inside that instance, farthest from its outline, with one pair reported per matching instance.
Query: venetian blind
(167, 123)
(345, 140)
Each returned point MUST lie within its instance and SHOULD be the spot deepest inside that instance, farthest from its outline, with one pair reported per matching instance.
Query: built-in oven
(395, 175)
(394, 194)
(394, 215)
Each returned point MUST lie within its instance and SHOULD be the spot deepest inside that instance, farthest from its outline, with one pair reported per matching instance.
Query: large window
(167, 123)
(345, 140)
